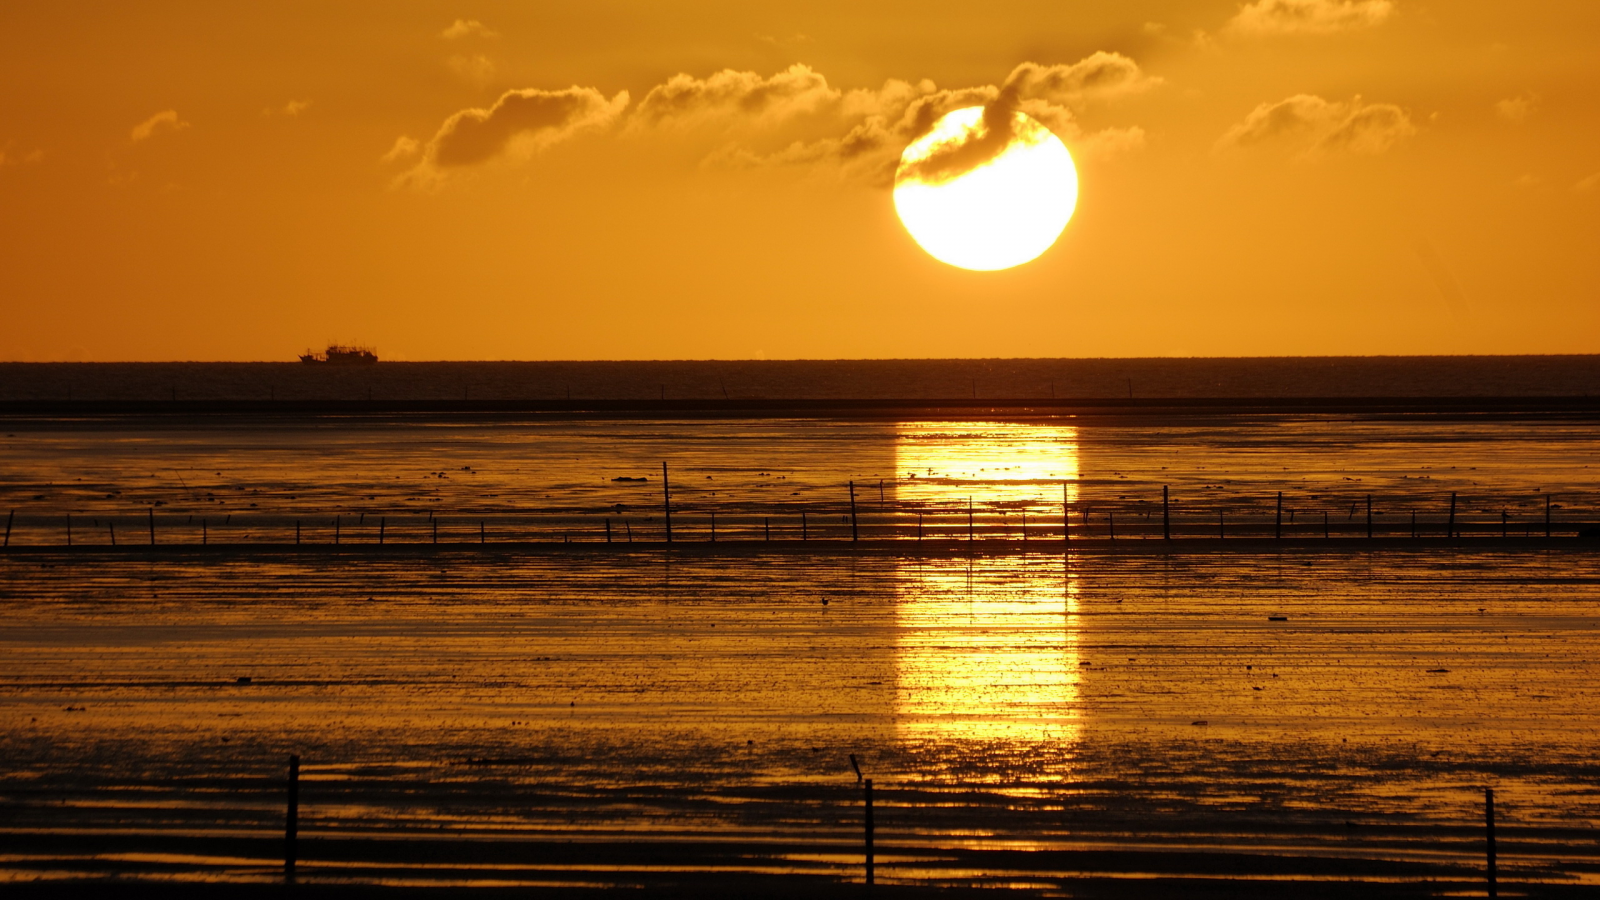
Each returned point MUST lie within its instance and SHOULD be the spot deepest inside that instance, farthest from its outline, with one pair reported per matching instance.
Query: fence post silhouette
(803, 534)
(9, 517)
(853, 534)
(666, 496)
(435, 523)
(203, 535)
(1277, 526)
(482, 538)
(1066, 517)
(152, 512)
(1369, 515)
(969, 519)
(112, 527)
(383, 524)
(867, 794)
(291, 821)
(1166, 513)
(1450, 527)
(608, 531)
(1488, 826)
(1546, 515)
(713, 526)
(766, 527)
(69, 529)
(336, 530)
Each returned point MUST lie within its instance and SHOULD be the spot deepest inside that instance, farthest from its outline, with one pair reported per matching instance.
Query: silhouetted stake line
(803, 527)
(666, 489)
(1505, 525)
(1111, 525)
(69, 529)
(1024, 526)
(10, 516)
(608, 531)
(152, 512)
(1546, 515)
(919, 526)
(866, 789)
(1327, 532)
(1450, 527)
(383, 524)
(204, 536)
(854, 535)
(1369, 516)
(713, 528)
(629, 528)
(336, 530)
(435, 523)
(291, 821)
(112, 527)
(1488, 828)
(1277, 526)
(766, 526)
(969, 519)
(482, 537)
(1221, 525)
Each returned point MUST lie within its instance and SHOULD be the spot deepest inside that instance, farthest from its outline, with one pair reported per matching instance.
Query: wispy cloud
(292, 108)
(1275, 17)
(9, 156)
(1320, 126)
(166, 119)
(1518, 108)
(467, 28)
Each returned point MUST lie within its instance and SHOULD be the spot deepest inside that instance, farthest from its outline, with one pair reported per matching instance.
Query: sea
(1287, 647)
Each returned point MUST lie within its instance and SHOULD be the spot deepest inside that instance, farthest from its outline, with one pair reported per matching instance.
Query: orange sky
(186, 180)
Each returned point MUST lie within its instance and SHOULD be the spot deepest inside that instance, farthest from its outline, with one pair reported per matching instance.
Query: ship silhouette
(341, 355)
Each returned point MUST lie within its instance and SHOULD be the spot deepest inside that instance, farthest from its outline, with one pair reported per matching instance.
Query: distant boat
(341, 355)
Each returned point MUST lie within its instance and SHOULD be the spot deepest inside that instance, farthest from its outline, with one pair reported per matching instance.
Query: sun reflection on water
(987, 649)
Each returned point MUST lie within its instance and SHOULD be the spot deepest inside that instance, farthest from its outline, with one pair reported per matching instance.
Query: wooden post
(1326, 532)
(1369, 515)
(1024, 526)
(803, 526)
(1222, 530)
(383, 524)
(666, 490)
(1111, 525)
(435, 523)
(629, 527)
(919, 526)
(1505, 526)
(713, 526)
(867, 794)
(608, 531)
(291, 821)
(853, 533)
(1277, 527)
(9, 517)
(152, 512)
(203, 534)
(1450, 527)
(969, 519)
(336, 530)
(69, 529)
(1546, 515)
(766, 526)
(1166, 514)
(112, 527)
(1488, 827)
(1066, 513)
(482, 537)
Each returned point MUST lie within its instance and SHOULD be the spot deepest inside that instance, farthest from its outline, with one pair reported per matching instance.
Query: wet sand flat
(1180, 707)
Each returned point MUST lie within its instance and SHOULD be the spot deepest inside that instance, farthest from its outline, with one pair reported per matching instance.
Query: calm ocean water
(1484, 376)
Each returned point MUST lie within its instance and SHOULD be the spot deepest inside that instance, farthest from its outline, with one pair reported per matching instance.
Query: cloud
(796, 117)
(1275, 17)
(166, 118)
(1586, 185)
(10, 157)
(1323, 126)
(404, 148)
(467, 28)
(476, 69)
(292, 108)
(519, 124)
(1517, 108)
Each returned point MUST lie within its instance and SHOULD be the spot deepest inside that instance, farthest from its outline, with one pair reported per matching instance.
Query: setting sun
(1001, 212)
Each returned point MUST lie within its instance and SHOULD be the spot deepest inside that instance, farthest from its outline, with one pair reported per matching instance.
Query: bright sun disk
(999, 214)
